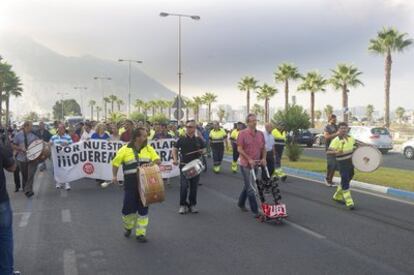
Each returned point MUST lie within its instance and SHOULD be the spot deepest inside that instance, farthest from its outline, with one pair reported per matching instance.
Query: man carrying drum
(342, 147)
(21, 143)
(190, 148)
(131, 156)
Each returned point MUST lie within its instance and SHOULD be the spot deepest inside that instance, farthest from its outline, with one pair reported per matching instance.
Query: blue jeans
(6, 238)
(248, 192)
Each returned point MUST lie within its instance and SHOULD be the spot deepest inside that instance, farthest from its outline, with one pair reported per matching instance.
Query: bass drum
(367, 159)
(38, 150)
(150, 185)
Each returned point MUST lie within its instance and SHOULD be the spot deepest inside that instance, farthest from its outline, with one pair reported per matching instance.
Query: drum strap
(26, 142)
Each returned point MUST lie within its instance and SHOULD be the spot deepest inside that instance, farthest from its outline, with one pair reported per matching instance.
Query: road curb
(315, 176)
(354, 184)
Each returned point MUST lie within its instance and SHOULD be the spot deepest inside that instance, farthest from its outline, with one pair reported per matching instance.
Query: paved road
(391, 159)
(79, 232)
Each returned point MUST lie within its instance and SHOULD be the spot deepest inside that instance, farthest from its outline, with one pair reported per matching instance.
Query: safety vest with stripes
(280, 137)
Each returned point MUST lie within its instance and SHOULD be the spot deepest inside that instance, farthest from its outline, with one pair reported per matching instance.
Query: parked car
(378, 137)
(304, 136)
(408, 149)
(320, 139)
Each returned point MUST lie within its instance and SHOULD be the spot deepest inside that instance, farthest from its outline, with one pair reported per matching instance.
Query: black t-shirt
(330, 129)
(186, 145)
(6, 160)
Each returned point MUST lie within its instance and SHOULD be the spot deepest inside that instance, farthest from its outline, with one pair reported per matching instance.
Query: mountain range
(45, 73)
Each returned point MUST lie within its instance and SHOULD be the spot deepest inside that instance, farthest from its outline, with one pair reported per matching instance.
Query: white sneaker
(67, 186)
(182, 210)
(58, 186)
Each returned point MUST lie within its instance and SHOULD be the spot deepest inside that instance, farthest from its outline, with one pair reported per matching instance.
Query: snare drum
(367, 158)
(38, 150)
(193, 169)
(150, 185)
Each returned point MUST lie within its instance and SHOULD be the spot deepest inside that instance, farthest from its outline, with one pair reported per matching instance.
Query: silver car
(378, 137)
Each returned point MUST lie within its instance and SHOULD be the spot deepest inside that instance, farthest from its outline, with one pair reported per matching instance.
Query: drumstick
(194, 152)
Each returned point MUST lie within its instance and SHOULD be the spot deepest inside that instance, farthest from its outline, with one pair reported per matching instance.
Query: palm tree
(98, 111)
(318, 115)
(388, 40)
(112, 99)
(328, 111)
(313, 82)
(343, 78)
(119, 103)
(153, 106)
(369, 112)
(399, 112)
(5, 71)
(168, 105)
(248, 84)
(265, 93)
(11, 87)
(221, 113)
(258, 111)
(138, 104)
(145, 107)
(106, 101)
(189, 104)
(92, 103)
(198, 102)
(284, 73)
(209, 98)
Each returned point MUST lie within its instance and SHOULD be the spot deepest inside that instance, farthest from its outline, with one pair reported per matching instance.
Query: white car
(378, 137)
(408, 149)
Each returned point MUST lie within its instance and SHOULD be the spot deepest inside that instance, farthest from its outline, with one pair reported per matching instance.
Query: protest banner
(164, 149)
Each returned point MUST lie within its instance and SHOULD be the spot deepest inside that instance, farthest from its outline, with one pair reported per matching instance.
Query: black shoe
(29, 194)
(127, 233)
(141, 239)
(243, 208)
(16, 190)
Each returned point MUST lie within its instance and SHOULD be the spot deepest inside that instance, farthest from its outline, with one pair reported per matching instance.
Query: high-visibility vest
(126, 157)
(234, 135)
(217, 136)
(181, 132)
(346, 145)
(280, 137)
(171, 133)
(151, 134)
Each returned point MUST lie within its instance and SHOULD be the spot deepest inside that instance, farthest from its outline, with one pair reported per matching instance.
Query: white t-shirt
(86, 135)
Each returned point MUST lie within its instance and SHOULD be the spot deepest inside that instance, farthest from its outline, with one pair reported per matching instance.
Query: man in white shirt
(270, 148)
(87, 132)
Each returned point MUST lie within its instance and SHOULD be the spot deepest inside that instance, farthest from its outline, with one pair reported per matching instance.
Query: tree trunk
(106, 110)
(169, 113)
(197, 114)
(112, 107)
(119, 107)
(266, 111)
(286, 94)
(345, 104)
(209, 112)
(388, 62)
(312, 110)
(153, 111)
(91, 112)
(187, 111)
(248, 102)
(97, 115)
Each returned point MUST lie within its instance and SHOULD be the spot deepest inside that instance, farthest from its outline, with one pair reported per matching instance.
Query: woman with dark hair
(132, 155)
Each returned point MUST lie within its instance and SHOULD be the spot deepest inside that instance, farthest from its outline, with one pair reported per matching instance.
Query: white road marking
(69, 262)
(66, 216)
(25, 219)
(304, 229)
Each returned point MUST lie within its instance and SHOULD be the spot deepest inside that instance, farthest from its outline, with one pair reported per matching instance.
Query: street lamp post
(81, 89)
(194, 17)
(100, 78)
(61, 101)
(129, 80)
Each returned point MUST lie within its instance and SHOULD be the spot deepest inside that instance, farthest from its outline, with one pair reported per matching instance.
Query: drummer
(342, 147)
(190, 147)
(132, 155)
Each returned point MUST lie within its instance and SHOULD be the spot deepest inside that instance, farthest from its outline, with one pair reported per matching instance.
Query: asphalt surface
(80, 232)
(391, 159)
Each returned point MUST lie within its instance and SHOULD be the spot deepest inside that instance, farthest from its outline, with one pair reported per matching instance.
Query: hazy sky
(232, 39)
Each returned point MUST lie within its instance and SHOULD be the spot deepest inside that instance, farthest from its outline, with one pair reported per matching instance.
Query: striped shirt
(61, 140)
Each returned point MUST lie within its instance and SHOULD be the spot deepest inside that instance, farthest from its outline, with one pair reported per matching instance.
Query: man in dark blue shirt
(6, 215)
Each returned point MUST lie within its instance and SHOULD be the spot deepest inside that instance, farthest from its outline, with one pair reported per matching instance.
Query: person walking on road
(218, 143)
(251, 146)
(61, 139)
(270, 148)
(330, 132)
(279, 135)
(342, 148)
(6, 214)
(190, 147)
(45, 135)
(131, 156)
(21, 143)
(233, 139)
